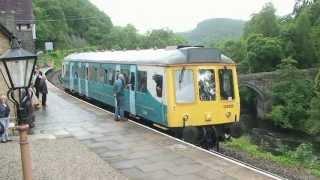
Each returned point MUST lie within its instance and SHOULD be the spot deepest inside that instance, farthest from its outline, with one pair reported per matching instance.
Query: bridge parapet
(262, 83)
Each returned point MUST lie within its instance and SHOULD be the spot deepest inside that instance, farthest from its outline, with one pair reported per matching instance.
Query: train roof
(169, 56)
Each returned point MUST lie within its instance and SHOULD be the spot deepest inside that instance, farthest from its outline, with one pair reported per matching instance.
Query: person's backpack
(1, 129)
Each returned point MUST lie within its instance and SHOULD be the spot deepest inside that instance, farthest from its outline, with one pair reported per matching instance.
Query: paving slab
(55, 159)
(136, 151)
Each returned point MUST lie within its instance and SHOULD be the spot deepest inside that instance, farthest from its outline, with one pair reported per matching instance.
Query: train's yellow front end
(202, 95)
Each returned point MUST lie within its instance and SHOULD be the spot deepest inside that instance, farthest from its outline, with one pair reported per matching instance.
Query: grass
(301, 157)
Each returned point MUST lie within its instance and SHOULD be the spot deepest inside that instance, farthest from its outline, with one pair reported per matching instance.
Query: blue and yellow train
(192, 91)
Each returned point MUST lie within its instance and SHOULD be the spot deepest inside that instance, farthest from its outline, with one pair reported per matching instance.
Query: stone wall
(4, 43)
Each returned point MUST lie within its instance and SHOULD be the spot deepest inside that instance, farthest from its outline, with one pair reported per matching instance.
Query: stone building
(17, 17)
(16, 20)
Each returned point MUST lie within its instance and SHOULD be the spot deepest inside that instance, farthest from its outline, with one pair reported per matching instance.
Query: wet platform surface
(135, 151)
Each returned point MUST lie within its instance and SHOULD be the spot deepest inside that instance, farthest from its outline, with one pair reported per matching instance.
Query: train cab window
(132, 81)
(142, 81)
(125, 73)
(207, 85)
(184, 86)
(158, 79)
(226, 84)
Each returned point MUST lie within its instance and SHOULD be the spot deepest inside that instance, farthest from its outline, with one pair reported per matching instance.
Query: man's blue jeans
(5, 123)
(119, 106)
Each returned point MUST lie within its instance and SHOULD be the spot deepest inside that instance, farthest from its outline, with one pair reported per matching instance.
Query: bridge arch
(261, 100)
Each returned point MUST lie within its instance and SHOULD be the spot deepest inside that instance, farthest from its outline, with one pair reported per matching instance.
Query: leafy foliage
(291, 96)
(265, 23)
(263, 53)
(302, 156)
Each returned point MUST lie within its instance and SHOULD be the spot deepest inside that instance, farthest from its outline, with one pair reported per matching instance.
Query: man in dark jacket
(37, 82)
(43, 90)
(118, 93)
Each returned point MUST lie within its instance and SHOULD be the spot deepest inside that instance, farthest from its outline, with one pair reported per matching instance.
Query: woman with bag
(4, 118)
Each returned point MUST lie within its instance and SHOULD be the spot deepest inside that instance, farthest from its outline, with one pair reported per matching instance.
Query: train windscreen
(226, 84)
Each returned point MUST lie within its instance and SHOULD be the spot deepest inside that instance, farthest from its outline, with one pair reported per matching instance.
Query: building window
(158, 79)
(226, 84)
(23, 27)
(142, 81)
(207, 85)
(184, 84)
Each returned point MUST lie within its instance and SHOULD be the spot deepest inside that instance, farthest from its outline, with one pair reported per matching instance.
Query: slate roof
(6, 32)
(22, 8)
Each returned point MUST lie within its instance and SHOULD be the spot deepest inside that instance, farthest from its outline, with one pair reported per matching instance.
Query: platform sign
(48, 46)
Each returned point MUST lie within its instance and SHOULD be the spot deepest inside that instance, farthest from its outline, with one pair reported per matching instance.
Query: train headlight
(228, 114)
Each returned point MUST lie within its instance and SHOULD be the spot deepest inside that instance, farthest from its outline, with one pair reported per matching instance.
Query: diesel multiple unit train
(191, 91)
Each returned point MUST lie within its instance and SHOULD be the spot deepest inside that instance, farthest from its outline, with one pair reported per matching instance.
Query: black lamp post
(17, 67)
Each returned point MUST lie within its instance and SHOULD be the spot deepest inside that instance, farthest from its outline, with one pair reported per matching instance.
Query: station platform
(135, 151)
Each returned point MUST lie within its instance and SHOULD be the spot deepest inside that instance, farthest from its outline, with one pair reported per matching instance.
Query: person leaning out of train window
(118, 93)
(4, 118)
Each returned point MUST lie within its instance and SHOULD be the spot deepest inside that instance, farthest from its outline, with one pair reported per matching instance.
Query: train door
(132, 89)
(79, 78)
(71, 76)
(86, 80)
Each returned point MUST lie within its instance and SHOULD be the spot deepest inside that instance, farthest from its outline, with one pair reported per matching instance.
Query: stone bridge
(261, 84)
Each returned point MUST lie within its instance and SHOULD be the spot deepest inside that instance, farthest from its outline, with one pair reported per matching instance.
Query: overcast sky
(182, 15)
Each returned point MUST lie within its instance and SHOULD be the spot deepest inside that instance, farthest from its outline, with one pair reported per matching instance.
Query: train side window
(82, 72)
(101, 74)
(184, 84)
(226, 84)
(142, 81)
(132, 80)
(207, 85)
(105, 76)
(158, 79)
(125, 73)
(87, 73)
(111, 76)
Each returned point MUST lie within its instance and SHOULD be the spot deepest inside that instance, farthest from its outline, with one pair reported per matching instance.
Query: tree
(263, 53)
(303, 44)
(291, 97)
(161, 38)
(313, 123)
(265, 23)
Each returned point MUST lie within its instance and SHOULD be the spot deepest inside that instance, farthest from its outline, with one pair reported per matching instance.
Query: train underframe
(208, 137)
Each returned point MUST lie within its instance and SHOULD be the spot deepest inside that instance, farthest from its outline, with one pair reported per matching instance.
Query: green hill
(215, 30)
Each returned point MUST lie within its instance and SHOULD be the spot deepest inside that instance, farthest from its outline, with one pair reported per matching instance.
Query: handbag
(1, 129)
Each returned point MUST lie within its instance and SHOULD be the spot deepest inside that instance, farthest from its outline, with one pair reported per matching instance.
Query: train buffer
(134, 150)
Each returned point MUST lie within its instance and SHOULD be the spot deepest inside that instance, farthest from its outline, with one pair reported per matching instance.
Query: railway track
(54, 79)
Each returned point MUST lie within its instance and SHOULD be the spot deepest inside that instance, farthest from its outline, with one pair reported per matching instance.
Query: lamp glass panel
(20, 72)
(4, 74)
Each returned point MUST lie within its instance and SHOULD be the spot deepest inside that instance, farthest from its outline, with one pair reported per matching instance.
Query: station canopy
(169, 56)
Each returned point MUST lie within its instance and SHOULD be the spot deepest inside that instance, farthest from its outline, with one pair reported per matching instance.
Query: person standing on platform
(37, 82)
(4, 118)
(43, 89)
(118, 93)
